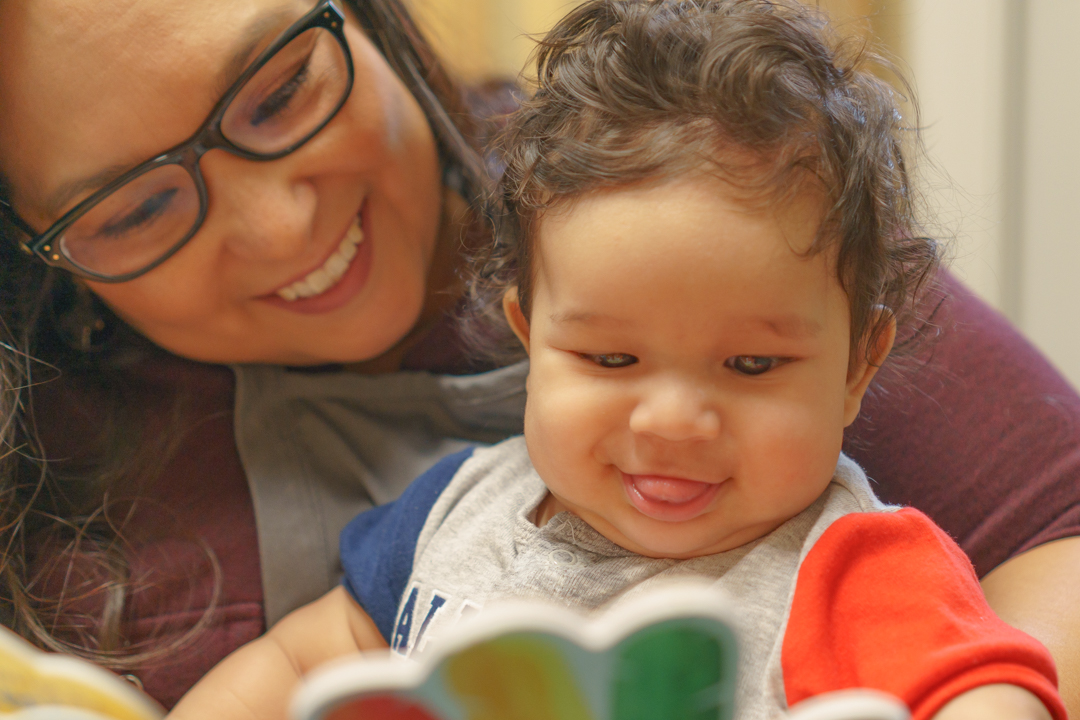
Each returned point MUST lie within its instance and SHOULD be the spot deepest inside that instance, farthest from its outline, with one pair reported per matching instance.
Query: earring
(81, 324)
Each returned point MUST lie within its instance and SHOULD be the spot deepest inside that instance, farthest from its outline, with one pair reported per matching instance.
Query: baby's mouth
(667, 498)
(325, 277)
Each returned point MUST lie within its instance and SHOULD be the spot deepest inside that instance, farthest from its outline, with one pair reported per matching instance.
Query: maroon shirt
(984, 438)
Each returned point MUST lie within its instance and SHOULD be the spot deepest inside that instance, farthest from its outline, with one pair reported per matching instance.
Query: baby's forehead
(798, 206)
(758, 181)
(688, 245)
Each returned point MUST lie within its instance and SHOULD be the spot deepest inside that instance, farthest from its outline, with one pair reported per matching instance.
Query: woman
(309, 234)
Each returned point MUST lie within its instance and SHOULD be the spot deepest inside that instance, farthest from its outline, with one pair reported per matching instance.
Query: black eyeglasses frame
(326, 14)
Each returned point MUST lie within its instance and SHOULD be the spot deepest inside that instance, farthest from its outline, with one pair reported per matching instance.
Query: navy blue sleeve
(378, 546)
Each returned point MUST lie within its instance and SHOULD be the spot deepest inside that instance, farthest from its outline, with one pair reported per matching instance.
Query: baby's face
(689, 380)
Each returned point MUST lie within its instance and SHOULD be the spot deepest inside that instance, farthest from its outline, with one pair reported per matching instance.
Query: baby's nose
(676, 411)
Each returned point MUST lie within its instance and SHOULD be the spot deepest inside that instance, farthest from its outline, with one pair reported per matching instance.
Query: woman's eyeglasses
(136, 222)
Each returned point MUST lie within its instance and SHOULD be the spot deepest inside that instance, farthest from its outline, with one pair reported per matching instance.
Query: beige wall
(481, 38)
(1047, 246)
(484, 38)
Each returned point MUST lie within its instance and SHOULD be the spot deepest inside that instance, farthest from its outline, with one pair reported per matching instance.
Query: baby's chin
(667, 540)
(673, 549)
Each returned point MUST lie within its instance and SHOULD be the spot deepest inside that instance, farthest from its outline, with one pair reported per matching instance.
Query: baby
(705, 245)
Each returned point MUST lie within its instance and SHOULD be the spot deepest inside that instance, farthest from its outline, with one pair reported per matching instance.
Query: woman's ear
(867, 364)
(518, 323)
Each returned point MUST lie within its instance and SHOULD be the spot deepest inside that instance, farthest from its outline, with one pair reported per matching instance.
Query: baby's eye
(610, 360)
(752, 364)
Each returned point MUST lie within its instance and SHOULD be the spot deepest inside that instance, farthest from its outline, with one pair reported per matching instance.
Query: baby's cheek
(795, 449)
(558, 410)
(565, 419)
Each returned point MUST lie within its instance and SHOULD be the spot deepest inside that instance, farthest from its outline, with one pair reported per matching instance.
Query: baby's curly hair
(762, 93)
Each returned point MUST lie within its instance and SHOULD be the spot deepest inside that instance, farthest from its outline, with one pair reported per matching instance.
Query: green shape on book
(518, 677)
(669, 671)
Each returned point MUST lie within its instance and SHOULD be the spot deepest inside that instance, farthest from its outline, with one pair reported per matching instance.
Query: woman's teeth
(321, 280)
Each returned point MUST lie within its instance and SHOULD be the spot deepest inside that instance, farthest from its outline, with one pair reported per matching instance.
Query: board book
(668, 654)
(35, 685)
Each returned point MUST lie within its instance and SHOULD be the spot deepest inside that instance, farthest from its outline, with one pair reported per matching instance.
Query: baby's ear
(518, 322)
(866, 365)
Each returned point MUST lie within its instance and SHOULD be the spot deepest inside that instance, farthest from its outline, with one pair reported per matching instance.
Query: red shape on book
(380, 707)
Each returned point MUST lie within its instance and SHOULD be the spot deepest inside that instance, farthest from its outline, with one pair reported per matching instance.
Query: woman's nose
(264, 213)
(676, 411)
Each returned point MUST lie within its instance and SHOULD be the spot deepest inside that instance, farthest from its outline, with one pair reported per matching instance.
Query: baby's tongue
(670, 490)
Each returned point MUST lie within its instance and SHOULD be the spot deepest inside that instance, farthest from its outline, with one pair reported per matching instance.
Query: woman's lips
(331, 271)
(669, 499)
(343, 289)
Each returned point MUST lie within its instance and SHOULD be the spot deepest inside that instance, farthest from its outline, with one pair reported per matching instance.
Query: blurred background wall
(1000, 100)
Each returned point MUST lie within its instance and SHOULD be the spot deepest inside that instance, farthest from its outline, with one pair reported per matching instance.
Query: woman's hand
(257, 681)
(1039, 592)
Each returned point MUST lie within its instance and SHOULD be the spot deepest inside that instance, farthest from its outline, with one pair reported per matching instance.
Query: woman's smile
(337, 280)
(330, 271)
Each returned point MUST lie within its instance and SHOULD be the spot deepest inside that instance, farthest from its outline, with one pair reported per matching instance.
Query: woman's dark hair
(50, 326)
(762, 93)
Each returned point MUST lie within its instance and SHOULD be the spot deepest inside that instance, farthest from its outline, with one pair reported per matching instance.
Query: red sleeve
(888, 601)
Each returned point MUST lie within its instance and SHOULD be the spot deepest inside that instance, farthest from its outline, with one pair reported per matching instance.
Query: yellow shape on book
(519, 677)
(30, 678)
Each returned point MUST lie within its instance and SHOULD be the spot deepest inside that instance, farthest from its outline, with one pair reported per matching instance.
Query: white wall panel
(1050, 292)
(956, 52)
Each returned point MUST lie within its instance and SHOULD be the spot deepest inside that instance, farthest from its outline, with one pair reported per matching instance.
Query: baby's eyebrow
(790, 326)
(585, 317)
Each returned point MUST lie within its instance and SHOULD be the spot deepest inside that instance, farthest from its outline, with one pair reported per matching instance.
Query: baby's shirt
(849, 593)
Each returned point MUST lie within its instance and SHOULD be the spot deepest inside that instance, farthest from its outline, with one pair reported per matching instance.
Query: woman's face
(92, 86)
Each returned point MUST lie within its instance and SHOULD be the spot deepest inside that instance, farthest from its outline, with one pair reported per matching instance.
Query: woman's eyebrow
(70, 189)
(250, 38)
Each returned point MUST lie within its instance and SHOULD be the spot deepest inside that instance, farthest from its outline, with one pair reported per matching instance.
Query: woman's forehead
(86, 85)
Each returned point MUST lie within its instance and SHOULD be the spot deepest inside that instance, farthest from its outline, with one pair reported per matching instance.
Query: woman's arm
(1039, 593)
(257, 681)
(984, 437)
(994, 702)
